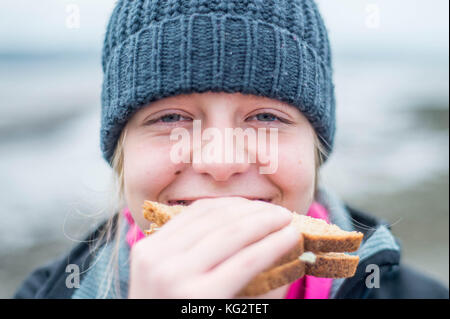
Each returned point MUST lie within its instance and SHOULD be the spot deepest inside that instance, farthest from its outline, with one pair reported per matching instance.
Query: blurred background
(392, 144)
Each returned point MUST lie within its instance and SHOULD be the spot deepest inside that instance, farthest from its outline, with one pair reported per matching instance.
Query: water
(49, 146)
(391, 136)
(385, 140)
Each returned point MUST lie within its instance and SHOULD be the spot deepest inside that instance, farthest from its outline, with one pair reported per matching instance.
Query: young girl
(183, 68)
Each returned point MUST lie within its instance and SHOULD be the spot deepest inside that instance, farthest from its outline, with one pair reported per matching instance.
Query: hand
(211, 250)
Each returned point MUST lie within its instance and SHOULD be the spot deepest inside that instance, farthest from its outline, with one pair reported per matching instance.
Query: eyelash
(282, 120)
(158, 120)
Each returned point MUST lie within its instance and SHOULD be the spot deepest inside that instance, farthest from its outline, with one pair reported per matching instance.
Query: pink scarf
(307, 287)
(310, 287)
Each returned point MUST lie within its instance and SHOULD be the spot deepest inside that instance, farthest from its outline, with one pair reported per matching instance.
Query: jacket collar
(100, 282)
(379, 247)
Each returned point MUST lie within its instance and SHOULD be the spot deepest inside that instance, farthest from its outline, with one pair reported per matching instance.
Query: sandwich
(320, 250)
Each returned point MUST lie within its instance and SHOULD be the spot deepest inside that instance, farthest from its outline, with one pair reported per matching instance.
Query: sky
(384, 24)
(396, 25)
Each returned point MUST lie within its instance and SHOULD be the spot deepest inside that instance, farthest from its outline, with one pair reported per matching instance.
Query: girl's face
(151, 173)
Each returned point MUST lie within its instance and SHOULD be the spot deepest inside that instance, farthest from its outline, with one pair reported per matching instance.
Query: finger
(194, 213)
(225, 213)
(188, 215)
(196, 232)
(215, 213)
(234, 273)
(229, 239)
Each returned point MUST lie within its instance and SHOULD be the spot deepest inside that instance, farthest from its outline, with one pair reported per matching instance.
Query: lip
(189, 200)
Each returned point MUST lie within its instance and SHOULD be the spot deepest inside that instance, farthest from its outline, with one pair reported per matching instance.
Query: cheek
(145, 166)
(147, 170)
(296, 167)
(296, 172)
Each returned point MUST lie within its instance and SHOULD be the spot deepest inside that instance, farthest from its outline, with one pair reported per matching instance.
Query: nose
(220, 172)
(219, 156)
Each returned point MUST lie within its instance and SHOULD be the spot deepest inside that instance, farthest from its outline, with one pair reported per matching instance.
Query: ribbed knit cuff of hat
(162, 55)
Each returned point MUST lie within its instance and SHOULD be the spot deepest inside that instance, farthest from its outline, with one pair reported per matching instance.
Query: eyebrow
(279, 104)
(286, 108)
(290, 107)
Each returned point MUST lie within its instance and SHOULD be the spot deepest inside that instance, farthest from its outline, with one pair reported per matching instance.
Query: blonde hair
(111, 233)
(321, 154)
(113, 228)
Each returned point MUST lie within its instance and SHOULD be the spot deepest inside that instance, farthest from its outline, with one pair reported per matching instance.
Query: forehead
(215, 96)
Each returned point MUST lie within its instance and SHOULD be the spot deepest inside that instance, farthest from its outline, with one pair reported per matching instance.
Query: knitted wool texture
(273, 48)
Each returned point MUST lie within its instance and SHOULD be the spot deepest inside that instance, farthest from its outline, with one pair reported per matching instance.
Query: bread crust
(159, 213)
(274, 278)
(349, 243)
(333, 265)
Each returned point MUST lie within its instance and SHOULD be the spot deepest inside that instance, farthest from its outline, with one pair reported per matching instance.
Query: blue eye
(266, 117)
(169, 118)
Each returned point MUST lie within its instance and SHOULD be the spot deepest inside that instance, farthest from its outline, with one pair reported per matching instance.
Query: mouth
(187, 202)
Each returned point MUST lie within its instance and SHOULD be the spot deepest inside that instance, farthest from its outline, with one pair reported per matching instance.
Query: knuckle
(236, 228)
(238, 200)
(275, 215)
(279, 212)
(142, 256)
(161, 277)
(250, 261)
(197, 204)
(201, 204)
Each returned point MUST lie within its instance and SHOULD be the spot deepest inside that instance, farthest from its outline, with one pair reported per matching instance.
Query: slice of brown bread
(318, 235)
(275, 277)
(324, 237)
(327, 265)
(333, 265)
(160, 213)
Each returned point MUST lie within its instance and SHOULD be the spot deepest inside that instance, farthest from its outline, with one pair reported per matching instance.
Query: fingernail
(287, 213)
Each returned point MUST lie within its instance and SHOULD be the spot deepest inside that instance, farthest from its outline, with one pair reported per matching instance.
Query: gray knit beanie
(159, 48)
